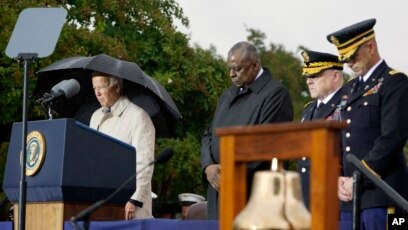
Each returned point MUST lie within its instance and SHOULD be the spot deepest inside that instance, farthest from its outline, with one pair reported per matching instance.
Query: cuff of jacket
(136, 203)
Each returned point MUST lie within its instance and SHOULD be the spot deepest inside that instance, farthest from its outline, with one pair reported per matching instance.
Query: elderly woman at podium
(120, 118)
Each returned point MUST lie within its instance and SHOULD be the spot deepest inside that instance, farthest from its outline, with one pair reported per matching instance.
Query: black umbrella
(142, 89)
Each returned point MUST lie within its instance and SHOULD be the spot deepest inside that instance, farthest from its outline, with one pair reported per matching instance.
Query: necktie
(317, 109)
(359, 84)
(106, 110)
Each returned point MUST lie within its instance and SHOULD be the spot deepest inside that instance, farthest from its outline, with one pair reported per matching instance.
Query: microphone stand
(27, 57)
(32, 38)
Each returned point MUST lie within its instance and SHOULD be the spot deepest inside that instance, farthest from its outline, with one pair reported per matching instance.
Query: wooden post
(51, 215)
(318, 140)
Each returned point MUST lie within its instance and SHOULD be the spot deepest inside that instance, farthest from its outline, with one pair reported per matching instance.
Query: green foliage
(3, 158)
(182, 173)
(196, 86)
(141, 31)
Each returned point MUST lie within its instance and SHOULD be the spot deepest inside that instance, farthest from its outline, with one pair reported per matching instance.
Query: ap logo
(397, 221)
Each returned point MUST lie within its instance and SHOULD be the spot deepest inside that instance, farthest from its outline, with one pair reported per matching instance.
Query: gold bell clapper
(275, 202)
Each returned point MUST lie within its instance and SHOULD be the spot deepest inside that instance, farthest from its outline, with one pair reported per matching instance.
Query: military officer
(376, 110)
(324, 78)
(186, 200)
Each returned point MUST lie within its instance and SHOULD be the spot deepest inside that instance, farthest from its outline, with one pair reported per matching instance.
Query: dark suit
(377, 115)
(329, 111)
(265, 101)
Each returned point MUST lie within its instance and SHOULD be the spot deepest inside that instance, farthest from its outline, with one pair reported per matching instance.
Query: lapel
(370, 83)
(308, 111)
(331, 105)
(255, 87)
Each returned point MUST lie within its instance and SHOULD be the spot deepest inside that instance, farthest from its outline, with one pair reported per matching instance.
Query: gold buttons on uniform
(348, 135)
(348, 149)
(349, 108)
(348, 121)
(365, 103)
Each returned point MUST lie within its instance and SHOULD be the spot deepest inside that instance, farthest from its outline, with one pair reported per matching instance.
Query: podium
(318, 140)
(79, 167)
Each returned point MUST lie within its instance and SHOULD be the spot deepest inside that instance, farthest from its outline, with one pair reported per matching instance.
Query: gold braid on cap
(334, 40)
(347, 43)
(317, 67)
(347, 49)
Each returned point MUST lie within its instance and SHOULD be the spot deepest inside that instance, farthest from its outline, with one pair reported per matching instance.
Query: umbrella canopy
(141, 89)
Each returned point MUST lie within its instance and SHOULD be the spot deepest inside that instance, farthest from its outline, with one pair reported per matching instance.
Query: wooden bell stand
(317, 140)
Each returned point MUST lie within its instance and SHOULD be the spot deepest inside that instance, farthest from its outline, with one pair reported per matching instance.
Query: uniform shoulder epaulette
(394, 71)
(307, 104)
(351, 79)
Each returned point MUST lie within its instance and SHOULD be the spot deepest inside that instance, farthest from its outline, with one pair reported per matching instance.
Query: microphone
(63, 90)
(163, 157)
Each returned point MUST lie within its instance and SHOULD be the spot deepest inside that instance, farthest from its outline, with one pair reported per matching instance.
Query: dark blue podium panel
(80, 164)
(148, 224)
(6, 225)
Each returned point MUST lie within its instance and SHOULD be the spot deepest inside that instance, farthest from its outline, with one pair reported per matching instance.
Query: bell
(265, 208)
(295, 210)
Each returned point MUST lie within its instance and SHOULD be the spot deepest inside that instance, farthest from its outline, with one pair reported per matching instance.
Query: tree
(141, 31)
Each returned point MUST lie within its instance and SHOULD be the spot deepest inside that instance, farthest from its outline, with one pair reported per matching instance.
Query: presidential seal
(35, 154)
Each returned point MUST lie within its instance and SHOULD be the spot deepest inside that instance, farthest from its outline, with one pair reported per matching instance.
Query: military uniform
(190, 198)
(376, 112)
(187, 200)
(315, 63)
(330, 111)
(377, 132)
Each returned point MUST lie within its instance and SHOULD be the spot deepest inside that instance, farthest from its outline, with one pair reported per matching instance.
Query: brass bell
(275, 203)
(265, 208)
(295, 210)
